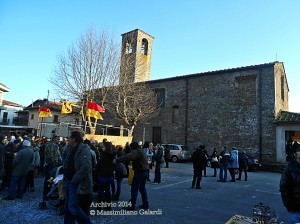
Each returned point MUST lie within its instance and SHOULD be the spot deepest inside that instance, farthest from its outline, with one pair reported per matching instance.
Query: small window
(5, 115)
(144, 47)
(32, 117)
(161, 95)
(175, 114)
(129, 48)
(77, 121)
(55, 119)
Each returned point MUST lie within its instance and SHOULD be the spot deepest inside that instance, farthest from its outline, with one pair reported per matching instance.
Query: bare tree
(93, 69)
(89, 65)
(133, 102)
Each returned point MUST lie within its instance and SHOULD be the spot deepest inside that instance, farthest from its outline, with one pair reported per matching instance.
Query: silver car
(178, 152)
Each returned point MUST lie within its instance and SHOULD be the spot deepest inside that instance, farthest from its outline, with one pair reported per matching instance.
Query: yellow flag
(94, 114)
(66, 107)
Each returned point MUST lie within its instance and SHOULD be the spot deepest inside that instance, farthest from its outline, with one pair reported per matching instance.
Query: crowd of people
(87, 167)
(226, 161)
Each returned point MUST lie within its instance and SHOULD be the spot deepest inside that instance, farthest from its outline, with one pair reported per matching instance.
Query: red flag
(93, 110)
(94, 106)
(45, 112)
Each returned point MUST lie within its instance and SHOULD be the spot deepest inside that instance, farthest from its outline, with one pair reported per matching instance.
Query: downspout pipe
(259, 98)
(186, 110)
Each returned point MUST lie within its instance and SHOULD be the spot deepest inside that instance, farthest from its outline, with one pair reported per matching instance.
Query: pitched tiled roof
(4, 88)
(285, 117)
(8, 103)
(217, 72)
(53, 106)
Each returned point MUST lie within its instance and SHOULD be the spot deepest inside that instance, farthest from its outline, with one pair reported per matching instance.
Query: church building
(245, 107)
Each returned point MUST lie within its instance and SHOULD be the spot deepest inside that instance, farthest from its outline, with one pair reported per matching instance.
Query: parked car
(178, 152)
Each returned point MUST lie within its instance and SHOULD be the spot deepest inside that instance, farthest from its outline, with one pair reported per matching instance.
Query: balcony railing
(20, 121)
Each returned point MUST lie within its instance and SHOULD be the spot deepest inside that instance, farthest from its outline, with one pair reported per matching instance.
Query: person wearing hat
(21, 164)
(140, 167)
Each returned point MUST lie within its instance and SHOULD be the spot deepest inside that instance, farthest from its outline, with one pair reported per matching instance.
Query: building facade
(239, 107)
(233, 108)
(58, 124)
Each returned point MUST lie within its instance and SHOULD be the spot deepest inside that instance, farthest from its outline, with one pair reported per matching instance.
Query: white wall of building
(46, 126)
(281, 141)
(7, 113)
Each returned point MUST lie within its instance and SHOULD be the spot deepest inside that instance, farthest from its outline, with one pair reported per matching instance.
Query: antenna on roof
(48, 95)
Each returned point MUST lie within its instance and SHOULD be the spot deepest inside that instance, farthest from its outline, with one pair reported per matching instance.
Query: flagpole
(41, 129)
(38, 127)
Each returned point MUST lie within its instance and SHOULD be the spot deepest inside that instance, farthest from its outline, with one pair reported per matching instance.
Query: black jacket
(199, 160)
(290, 187)
(105, 167)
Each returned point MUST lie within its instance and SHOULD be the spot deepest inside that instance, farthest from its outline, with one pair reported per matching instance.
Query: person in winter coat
(52, 159)
(10, 152)
(140, 167)
(233, 163)
(3, 140)
(167, 156)
(159, 160)
(214, 161)
(120, 173)
(148, 148)
(290, 189)
(199, 162)
(34, 165)
(243, 165)
(21, 165)
(224, 160)
(77, 178)
(105, 174)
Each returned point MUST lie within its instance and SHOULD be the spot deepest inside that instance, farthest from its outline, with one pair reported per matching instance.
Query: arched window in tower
(175, 114)
(129, 48)
(144, 48)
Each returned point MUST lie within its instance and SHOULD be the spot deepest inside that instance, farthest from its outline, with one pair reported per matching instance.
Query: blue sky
(191, 36)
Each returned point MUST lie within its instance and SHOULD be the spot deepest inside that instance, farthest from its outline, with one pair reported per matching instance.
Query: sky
(191, 36)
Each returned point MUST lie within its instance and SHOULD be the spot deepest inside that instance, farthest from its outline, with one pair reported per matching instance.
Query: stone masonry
(232, 108)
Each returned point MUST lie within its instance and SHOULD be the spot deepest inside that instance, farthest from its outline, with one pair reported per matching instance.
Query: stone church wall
(232, 108)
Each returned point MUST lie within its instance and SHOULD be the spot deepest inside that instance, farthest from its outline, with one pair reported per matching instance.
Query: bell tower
(136, 56)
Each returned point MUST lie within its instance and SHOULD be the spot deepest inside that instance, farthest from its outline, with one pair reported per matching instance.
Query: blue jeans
(73, 212)
(139, 185)
(13, 184)
(119, 184)
(294, 217)
(223, 168)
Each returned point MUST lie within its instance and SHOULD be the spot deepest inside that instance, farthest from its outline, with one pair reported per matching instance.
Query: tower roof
(136, 30)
